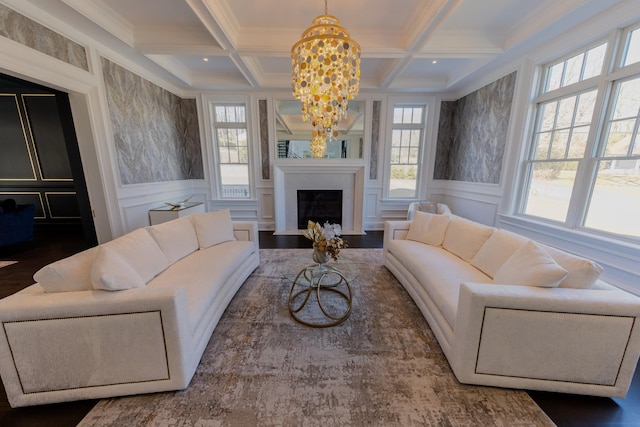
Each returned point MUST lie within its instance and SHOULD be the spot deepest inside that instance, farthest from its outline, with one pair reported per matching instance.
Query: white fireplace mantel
(291, 175)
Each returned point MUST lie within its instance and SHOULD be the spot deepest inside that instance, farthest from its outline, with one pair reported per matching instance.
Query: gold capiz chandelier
(326, 72)
(318, 144)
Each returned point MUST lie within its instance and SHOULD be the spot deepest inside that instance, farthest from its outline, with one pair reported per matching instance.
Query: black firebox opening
(319, 206)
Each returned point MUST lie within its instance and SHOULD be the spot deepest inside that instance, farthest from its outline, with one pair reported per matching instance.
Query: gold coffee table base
(319, 279)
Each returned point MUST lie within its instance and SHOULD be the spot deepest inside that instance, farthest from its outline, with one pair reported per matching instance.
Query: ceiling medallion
(325, 73)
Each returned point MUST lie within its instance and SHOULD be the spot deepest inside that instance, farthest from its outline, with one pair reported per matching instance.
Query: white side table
(167, 213)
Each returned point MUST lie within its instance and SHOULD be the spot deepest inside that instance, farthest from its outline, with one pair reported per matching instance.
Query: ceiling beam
(220, 23)
(425, 25)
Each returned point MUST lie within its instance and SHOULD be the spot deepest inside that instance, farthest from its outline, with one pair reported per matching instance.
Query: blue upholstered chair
(16, 222)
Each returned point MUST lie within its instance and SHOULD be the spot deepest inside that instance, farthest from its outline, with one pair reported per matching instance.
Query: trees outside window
(583, 164)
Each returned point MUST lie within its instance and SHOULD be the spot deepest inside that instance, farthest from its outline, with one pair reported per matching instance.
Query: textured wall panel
(445, 139)
(23, 30)
(473, 134)
(264, 139)
(156, 132)
(375, 140)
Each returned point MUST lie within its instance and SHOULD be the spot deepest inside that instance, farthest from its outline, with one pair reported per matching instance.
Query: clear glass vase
(321, 257)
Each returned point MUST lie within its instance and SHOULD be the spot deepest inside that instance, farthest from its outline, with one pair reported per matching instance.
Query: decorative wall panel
(23, 30)
(445, 139)
(48, 136)
(156, 133)
(15, 161)
(375, 140)
(264, 138)
(62, 205)
(473, 134)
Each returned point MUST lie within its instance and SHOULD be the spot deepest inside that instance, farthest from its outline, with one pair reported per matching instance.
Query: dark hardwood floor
(565, 410)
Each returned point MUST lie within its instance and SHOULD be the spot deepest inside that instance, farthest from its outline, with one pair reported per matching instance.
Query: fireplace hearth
(319, 206)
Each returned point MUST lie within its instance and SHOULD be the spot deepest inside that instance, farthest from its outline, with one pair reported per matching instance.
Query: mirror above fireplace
(294, 135)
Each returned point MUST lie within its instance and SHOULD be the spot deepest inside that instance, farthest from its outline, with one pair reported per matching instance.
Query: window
(583, 166)
(230, 133)
(615, 197)
(406, 140)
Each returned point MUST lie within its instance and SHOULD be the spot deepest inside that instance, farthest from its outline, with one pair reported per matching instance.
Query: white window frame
(209, 103)
(587, 167)
(426, 127)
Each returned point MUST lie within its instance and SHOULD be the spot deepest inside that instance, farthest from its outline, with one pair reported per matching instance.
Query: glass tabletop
(292, 267)
(177, 207)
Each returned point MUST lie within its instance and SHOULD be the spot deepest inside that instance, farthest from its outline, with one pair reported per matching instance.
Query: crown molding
(101, 14)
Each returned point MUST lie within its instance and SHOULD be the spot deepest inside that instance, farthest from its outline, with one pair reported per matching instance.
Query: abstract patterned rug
(381, 367)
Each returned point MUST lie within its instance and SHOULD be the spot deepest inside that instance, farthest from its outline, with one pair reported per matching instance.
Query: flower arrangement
(326, 238)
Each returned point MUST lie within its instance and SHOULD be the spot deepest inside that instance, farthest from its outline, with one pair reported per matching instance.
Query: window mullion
(588, 166)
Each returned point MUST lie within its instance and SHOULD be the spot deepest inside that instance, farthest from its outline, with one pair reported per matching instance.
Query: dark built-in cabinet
(39, 157)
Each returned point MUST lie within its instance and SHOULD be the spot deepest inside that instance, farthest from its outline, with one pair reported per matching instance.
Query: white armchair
(426, 206)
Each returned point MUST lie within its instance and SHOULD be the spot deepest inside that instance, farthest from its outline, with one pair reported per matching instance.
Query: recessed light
(205, 59)
(434, 61)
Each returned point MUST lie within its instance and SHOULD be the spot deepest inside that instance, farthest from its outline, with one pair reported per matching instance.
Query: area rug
(7, 263)
(381, 367)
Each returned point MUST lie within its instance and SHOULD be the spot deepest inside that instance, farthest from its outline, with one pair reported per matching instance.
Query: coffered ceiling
(407, 45)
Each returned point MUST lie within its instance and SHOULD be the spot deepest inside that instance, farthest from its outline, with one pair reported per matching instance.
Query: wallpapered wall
(156, 132)
(23, 30)
(472, 134)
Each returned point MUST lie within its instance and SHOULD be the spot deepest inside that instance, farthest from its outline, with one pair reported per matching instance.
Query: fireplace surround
(318, 174)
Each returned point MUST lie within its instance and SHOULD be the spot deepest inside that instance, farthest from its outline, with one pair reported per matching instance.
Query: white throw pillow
(111, 272)
(583, 272)
(213, 228)
(176, 238)
(141, 252)
(428, 228)
(497, 250)
(530, 266)
(68, 274)
(464, 238)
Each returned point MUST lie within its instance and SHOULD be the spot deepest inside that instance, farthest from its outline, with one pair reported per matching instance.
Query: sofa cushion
(428, 228)
(582, 273)
(464, 238)
(497, 250)
(203, 273)
(111, 272)
(141, 252)
(176, 238)
(440, 272)
(530, 266)
(213, 228)
(69, 274)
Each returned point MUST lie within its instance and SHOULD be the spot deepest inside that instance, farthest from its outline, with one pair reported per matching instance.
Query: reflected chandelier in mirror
(294, 135)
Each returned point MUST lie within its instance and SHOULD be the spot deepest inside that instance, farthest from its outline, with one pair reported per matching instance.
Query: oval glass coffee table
(320, 294)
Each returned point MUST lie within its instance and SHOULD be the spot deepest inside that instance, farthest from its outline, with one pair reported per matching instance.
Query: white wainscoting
(477, 202)
(135, 201)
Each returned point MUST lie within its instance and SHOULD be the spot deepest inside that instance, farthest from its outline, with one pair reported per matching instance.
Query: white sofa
(512, 313)
(130, 316)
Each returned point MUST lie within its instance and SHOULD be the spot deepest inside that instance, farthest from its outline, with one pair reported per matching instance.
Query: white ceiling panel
(248, 42)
